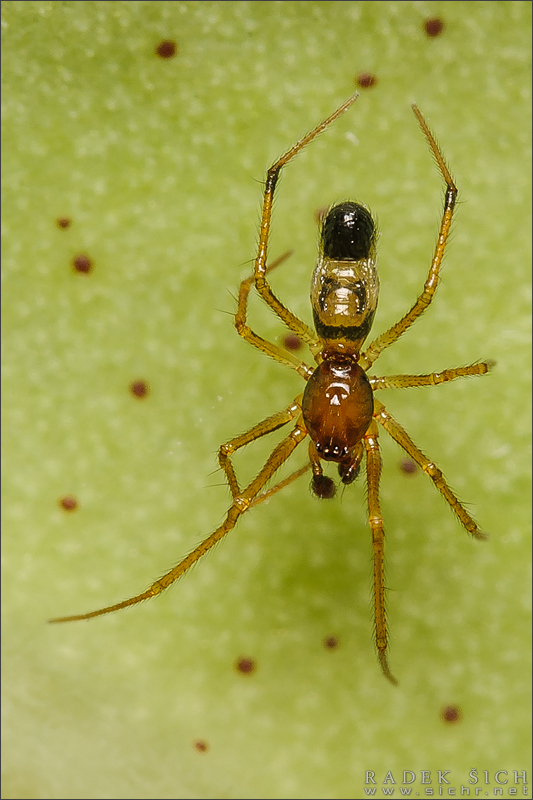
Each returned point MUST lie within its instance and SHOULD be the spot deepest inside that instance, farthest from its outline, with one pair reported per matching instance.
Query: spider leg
(389, 337)
(273, 350)
(395, 430)
(375, 519)
(262, 428)
(241, 503)
(260, 270)
(281, 485)
(434, 378)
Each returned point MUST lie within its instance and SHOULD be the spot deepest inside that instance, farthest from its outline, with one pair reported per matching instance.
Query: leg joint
(432, 470)
(225, 450)
(241, 503)
(376, 525)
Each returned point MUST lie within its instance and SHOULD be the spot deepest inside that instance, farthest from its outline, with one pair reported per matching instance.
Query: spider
(338, 409)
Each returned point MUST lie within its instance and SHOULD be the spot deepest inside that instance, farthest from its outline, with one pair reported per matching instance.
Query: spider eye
(348, 232)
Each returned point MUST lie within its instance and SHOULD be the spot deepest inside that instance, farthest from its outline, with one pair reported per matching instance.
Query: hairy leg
(262, 428)
(269, 348)
(241, 503)
(389, 337)
(401, 436)
(432, 379)
(375, 519)
(260, 271)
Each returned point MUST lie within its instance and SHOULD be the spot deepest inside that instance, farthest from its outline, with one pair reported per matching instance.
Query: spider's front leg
(268, 425)
(241, 503)
(401, 436)
(375, 519)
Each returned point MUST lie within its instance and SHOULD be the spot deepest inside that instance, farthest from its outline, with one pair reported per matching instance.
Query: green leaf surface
(158, 165)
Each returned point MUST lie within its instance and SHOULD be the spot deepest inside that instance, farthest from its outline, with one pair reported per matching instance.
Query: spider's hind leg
(383, 341)
(260, 270)
(268, 348)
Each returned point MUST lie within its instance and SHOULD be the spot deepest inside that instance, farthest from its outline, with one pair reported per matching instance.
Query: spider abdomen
(345, 285)
(337, 408)
(348, 232)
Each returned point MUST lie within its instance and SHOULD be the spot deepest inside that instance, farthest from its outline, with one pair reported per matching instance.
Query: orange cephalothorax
(337, 408)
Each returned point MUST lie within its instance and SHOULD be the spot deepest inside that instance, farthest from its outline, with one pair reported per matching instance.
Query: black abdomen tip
(348, 232)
